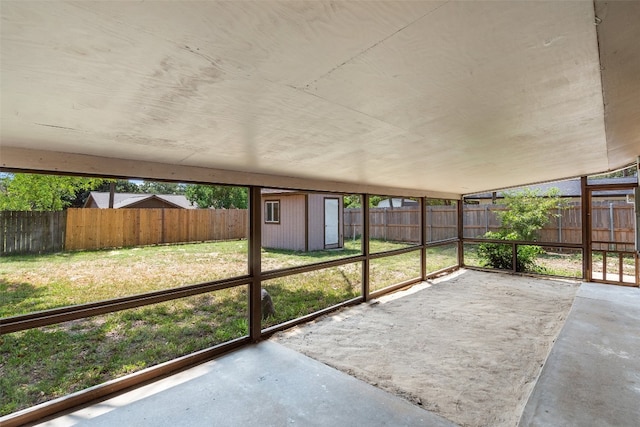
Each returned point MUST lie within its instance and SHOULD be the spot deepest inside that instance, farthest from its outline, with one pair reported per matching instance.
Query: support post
(460, 204)
(586, 229)
(423, 238)
(255, 263)
(365, 247)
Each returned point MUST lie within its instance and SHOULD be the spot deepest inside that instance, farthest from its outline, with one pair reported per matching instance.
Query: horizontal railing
(80, 311)
(514, 253)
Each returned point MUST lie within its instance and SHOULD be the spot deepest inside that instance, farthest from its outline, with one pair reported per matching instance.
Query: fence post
(612, 235)
(353, 226)
(559, 225)
(430, 223)
(486, 219)
(385, 222)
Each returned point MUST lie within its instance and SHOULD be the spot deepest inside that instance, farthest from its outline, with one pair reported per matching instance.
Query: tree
(439, 202)
(33, 192)
(527, 212)
(355, 201)
(352, 201)
(217, 196)
(122, 186)
(155, 187)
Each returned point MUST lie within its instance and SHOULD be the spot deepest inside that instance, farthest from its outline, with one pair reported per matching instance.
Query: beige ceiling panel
(284, 42)
(452, 96)
(619, 37)
(498, 90)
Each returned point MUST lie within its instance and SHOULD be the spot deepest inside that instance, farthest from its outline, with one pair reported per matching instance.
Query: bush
(527, 212)
(498, 255)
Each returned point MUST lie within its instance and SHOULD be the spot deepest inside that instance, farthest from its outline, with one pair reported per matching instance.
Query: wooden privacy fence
(403, 224)
(106, 228)
(610, 222)
(565, 228)
(77, 229)
(32, 232)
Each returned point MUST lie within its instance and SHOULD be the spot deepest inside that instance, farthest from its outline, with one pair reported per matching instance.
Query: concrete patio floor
(591, 378)
(592, 375)
(265, 384)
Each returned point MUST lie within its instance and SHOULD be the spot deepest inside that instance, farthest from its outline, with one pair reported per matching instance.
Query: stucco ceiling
(440, 97)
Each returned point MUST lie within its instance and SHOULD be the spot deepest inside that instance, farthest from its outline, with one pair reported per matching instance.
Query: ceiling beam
(19, 159)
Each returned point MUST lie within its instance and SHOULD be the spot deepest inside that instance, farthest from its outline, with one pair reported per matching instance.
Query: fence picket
(77, 229)
(31, 232)
(140, 227)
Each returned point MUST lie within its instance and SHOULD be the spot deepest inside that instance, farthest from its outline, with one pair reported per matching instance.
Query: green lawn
(566, 263)
(33, 283)
(40, 364)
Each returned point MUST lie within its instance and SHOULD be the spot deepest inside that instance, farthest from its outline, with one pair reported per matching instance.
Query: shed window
(272, 211)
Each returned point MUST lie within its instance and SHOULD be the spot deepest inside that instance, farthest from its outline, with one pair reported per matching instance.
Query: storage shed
(301, 221)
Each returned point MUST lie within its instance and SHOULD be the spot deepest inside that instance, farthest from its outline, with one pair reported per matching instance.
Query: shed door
(331, 220)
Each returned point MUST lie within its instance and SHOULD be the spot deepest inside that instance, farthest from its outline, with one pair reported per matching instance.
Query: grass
(301, 294)
(565, 264)
(387, 271)
(44, 363)
(547, 263)
(613, 263)
(33, 283)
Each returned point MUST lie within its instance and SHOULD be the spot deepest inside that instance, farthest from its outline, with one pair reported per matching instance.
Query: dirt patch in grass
(469, 348)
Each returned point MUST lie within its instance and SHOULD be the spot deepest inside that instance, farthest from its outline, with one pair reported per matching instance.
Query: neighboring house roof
(568, 188)
(128, 200)
(396, 203)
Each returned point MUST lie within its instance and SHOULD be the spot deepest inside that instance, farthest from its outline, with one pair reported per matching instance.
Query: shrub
(527, 212)
(498, 255)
